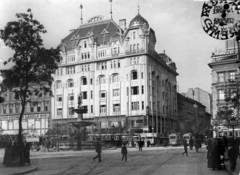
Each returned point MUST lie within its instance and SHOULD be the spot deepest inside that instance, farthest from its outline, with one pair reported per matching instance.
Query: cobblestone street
(150, 161)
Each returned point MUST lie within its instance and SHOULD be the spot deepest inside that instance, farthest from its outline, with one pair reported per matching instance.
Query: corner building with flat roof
(124, 82)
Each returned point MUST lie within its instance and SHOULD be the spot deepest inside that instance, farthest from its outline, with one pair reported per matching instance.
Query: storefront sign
(219, 18)
(25, 116)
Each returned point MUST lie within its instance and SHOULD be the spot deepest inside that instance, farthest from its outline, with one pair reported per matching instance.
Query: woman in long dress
(7, 161)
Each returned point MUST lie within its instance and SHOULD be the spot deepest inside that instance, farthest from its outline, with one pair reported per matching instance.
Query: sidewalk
(16, 170)
(237, 170)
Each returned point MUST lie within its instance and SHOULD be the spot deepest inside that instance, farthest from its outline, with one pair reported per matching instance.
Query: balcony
(129, 52)
(224, 58)
(114, 54)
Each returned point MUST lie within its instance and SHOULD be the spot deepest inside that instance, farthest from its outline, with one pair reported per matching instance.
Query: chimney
(122, 23)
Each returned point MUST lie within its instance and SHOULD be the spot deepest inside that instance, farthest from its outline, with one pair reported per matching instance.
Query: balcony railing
(129, 52)
(224, 58)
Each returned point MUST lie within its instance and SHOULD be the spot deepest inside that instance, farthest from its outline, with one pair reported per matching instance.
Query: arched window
(58, 85)
(102, 80)
(115, 78)
(134, 35)
(134, 75)
(83, 81)
(70, 83)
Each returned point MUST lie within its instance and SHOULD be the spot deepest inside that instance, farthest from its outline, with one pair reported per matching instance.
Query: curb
(25, 172)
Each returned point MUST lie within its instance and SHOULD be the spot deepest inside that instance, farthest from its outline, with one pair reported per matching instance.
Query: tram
(175, 139)
(187, 137)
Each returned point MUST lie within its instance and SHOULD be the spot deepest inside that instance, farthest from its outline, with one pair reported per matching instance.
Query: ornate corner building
(124, 82)
(224, 65)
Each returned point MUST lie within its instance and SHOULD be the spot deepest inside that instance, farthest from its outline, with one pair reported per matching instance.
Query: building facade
(201, 96)
(224, 66)
(124, 82)
(36, 118)
(193, 117)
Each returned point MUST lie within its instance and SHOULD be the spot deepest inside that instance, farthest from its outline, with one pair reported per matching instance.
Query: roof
(138, 21)
(101, 32)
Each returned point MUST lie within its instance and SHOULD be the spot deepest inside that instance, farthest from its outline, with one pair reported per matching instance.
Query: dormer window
(134, 35)
(85, 44)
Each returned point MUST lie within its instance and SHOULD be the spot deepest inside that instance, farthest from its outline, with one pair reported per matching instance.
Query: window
(137, 46)
(84, 81)
(142, 105)
(232, 75)
(32, 108)
(163, 109)
(46, 105)
(85, 44)
(91, 94)
(58, 85)
(71, 111)
(134, 35)
(70, 70)
(70, 97)
(115, 78)
(91, 108)
(221, 95)
(116, 107)
(102, 66)
(221, 77)
(10, 108)
(130, 47)
(102, 80)
(142, 89)
(142, 75)
(127, 91)
(163, 95)
(119, 63)
(134, 75)
(116, 92)
(4, 109)
(91, 81)
(59, 98)
(103, 109)
(135, 90)
(17, 105)
(38, 107)
(135, 106)
(84, 95)
(59, 111)
(103, 94)
(70, 84)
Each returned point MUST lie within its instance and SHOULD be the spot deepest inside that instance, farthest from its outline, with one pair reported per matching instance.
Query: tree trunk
(20, 139)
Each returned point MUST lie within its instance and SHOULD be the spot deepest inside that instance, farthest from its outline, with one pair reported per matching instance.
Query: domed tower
(138, 21)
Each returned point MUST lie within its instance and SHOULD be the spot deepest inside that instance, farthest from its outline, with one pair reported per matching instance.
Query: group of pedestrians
(196, 142)
(17, 154)
(219, 151)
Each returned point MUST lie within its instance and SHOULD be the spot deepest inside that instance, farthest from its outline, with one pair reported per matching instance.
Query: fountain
(78, 134)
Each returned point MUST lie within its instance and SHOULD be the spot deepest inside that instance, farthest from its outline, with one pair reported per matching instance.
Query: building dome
(138, 21)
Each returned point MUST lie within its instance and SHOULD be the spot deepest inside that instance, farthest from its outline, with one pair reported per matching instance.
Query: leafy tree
(33, 65)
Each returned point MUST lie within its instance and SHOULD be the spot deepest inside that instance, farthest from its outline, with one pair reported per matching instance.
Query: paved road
(152, 161)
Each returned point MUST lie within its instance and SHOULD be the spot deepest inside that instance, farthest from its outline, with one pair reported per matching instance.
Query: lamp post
(57, 125)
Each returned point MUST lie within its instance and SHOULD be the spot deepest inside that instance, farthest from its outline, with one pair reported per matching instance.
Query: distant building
(125, 83)
(192, 116)
(201, 96)
(36, 118)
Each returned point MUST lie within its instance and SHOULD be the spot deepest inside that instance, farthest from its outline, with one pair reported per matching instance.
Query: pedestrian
(140, 144)
(213, 155)
(124, 152)
(99, 151)
(221, 149)
(148, 143)
(26, 153)
(233, 154)
(185, 147)
(191, 143)
(225, 143)
(7, 160)
(197, 145)
(47, 145)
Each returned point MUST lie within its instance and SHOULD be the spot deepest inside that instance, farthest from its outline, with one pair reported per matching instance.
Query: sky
(177, 26)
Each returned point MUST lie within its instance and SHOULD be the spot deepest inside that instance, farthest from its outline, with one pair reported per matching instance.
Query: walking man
(140, 144)
(99, 151)
(124, 152)
(185, 148)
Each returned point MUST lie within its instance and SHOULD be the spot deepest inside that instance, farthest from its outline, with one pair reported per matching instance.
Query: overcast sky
(176, 23)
